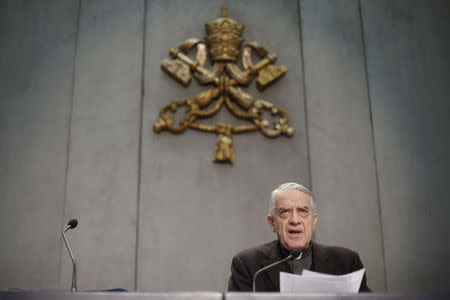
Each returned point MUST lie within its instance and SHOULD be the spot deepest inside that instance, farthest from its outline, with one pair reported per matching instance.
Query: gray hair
(290, 186)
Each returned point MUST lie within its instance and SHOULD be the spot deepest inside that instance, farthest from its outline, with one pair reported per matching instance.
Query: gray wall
(81, 85)
(408, 66)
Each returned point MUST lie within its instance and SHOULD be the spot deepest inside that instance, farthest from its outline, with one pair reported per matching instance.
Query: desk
(63, 295)
(362, 296)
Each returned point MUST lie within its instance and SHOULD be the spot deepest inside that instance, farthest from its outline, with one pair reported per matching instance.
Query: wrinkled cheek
(279, 229)
(308, 235)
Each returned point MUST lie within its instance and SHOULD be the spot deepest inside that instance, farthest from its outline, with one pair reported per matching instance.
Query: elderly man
(293, 218)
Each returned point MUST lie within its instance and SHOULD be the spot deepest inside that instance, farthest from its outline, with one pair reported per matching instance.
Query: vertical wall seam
(139, 158)
(302, 61)
(69, 136)
(383, 249)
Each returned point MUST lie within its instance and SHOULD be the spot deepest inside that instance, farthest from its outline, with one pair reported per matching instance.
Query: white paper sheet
(313, 282)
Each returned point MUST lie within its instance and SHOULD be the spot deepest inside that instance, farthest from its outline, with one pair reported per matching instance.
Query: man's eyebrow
(304, 206)
(289, 207)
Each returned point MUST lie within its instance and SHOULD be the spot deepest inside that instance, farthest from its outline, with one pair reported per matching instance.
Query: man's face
(293, 219)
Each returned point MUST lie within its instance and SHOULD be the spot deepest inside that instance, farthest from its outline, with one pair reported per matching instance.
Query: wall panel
(409, 71)
(36, 68)
(104, 145)
(343, 172)
(194, 214)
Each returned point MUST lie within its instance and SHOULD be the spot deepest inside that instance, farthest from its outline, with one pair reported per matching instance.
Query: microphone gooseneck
(292, 255)
(72, 224)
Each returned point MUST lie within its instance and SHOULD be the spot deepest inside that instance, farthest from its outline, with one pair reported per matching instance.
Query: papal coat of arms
(222, 46)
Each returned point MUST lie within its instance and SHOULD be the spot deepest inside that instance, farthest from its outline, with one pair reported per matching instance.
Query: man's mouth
(295, 232)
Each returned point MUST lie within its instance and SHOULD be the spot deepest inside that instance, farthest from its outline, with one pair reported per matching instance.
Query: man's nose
(295, 218)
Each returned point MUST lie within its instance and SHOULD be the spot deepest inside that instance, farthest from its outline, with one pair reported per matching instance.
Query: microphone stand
(74, 265)
(291, 256)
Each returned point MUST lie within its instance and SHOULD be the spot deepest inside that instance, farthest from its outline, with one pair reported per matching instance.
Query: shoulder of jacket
(260, 250)
(335, 250)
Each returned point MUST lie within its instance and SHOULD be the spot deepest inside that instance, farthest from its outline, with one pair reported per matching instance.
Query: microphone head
(294, 254)
(72, 223)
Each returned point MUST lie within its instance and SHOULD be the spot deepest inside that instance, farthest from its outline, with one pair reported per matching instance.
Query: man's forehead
(292, 198)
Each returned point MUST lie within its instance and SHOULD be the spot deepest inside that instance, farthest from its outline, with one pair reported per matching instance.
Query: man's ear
(316, 218)
(270, 221)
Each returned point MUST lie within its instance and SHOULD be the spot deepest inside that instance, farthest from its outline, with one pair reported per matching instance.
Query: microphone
(72, 224)
(292, 255)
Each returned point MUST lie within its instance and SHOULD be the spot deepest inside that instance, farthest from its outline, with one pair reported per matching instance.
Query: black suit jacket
(325, 259)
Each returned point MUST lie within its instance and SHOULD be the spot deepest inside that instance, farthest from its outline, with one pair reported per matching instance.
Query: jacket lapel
(320, 263)
(273, 254)
(320, 260)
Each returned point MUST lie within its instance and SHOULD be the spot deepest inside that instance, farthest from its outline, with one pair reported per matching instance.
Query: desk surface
(58, 295)
(362, 296)
(64, 295)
